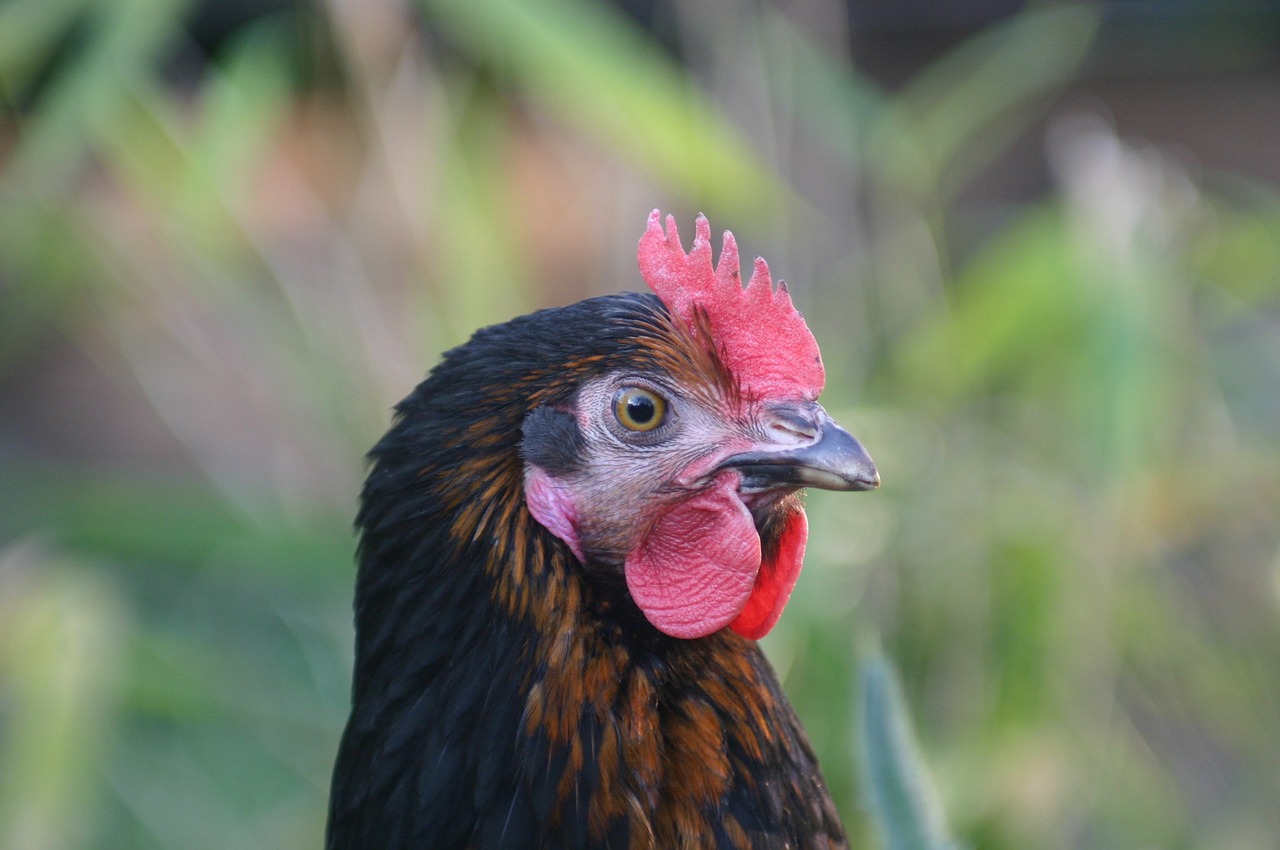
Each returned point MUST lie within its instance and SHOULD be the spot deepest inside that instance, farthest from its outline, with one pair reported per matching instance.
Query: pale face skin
(667, 500)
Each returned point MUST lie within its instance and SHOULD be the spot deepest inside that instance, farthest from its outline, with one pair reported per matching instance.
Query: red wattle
(774, 582)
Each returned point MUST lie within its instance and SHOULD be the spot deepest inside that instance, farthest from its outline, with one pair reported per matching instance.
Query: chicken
(570, 540)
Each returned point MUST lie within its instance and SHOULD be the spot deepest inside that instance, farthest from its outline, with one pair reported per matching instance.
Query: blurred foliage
(216, 277)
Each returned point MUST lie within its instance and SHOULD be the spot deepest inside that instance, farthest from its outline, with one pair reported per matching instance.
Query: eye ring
(638, 409)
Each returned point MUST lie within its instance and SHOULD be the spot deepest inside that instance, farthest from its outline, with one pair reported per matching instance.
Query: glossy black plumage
(507, 696)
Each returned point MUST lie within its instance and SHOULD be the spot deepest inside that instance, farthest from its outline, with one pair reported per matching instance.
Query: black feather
(552, 440)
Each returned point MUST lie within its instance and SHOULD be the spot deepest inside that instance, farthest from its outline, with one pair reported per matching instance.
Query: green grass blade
(901, 793)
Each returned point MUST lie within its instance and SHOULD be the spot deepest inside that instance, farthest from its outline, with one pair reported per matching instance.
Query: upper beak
(832, 459)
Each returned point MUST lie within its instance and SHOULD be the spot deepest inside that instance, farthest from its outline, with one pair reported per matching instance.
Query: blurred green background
(1039, 244)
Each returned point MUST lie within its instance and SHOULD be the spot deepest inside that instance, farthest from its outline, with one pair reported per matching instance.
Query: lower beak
(833, 460)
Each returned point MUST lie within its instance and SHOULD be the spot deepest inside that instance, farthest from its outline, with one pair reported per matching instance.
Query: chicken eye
(638, 409)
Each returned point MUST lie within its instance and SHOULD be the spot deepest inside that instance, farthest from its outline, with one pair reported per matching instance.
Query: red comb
(759, 334)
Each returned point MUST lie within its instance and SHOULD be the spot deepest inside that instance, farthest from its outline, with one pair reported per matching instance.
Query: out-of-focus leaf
(962, 111)
(61, 629)
(475, 249)
(587, 64)
(29, 34)
(898, 785)
(163, 521)
(198, 176)
(1242, 258)
(1020, 297)
(44, 265)
(842, 107)
(124, 39)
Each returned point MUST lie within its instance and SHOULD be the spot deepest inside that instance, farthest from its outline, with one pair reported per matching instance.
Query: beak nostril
(791, 426)
(787, 430)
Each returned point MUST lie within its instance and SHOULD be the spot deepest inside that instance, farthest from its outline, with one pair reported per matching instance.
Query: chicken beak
(816, 452)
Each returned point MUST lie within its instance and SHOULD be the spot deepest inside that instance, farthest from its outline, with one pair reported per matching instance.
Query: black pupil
(641, 409)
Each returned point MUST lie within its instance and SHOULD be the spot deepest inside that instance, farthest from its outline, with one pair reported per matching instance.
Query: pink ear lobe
(695, 570)
(551, 504)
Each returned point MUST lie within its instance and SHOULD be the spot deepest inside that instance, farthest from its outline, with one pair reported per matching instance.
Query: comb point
(761, 285)
(701, 231)
(758, 333)
(728, 273)
(782, 296)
